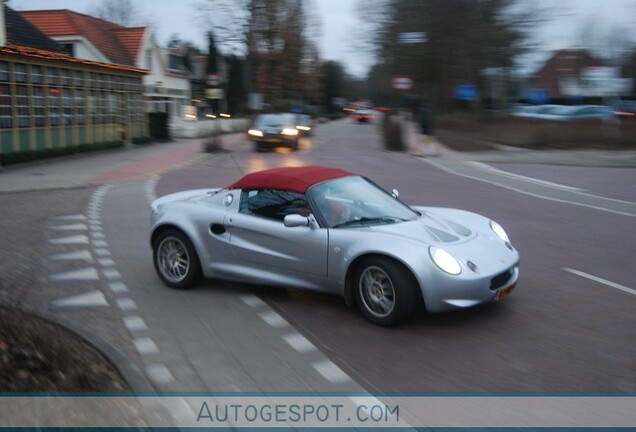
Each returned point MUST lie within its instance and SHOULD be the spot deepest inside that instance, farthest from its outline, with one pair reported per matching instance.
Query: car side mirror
(295, 220)
(395, 193)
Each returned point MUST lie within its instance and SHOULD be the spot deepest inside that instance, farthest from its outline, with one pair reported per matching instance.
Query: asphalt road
(569, 325)
(559, 331)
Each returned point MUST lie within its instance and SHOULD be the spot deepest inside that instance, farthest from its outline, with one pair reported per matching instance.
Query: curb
(129, 371)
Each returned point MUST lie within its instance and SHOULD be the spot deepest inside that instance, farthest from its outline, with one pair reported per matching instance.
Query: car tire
(175, 259)
(385, 291)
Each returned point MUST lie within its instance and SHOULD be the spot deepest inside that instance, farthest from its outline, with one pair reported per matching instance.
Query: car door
(259, 237)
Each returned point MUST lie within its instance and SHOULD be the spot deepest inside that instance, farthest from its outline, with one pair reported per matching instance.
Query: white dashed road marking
(83, 255)
(273, 319)
(299, 342)
(90, 299)
(77, 239)
(331, 372)
(601, 281)
(86, 274)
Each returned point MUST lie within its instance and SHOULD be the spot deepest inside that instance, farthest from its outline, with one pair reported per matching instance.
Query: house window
(39, 109)
(19, 70)
(103, 108)
(78, 77)
(52, 76)
(70, 48)
(80, 108)
(22, 106)
(92, 107)
(4, 71)
(6, 118)
(54, 106)
(149, 59)
(67, 104)
(36, 74)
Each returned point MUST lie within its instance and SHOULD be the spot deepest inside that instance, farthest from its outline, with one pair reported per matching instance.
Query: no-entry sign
(402, 83)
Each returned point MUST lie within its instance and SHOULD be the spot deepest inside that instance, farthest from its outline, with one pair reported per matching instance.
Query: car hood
(435, 226)
(188, 195)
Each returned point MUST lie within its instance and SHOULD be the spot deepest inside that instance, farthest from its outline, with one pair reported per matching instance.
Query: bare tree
(122, 12)
(273, 34)
(456, 40)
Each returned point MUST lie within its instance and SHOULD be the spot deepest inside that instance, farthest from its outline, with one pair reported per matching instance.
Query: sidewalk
(108, 166)
(506, 154)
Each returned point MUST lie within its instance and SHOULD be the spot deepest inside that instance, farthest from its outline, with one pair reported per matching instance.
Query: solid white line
(600, 280)
(486, 167)
(449, 170)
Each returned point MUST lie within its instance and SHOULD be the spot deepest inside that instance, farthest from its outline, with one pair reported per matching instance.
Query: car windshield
(274, 120)
(354, 201)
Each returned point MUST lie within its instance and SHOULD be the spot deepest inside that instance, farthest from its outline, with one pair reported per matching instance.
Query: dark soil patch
(38, 355)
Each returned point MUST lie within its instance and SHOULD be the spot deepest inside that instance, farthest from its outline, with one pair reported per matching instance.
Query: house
(51, 101)
(166, 85)
(560, 75)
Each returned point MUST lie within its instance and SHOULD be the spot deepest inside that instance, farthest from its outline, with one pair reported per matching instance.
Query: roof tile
(119, 44)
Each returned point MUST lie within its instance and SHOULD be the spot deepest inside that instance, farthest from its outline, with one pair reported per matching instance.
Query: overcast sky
(339, 22)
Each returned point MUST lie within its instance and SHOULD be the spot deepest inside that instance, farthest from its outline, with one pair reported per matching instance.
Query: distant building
(166, 86)
(560, 70)
(577, 73)
(50, 100)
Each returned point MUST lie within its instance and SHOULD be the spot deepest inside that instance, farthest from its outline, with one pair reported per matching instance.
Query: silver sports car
(329, 230)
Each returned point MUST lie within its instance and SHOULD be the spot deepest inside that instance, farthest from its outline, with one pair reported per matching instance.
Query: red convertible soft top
(293, 179)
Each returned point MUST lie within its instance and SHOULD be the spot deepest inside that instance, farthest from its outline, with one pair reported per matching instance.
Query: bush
(33, 155)
(142, 140)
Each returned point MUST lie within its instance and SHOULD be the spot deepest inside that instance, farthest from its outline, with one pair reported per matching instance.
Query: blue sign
(538, 96)
(466, 92)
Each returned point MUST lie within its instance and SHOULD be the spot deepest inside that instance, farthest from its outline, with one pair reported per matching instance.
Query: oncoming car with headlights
(274, 130)
(326, 229)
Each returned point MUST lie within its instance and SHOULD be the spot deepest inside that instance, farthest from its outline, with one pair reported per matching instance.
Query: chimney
(3, 26)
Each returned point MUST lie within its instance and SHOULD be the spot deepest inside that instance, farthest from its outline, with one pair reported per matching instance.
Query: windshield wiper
(383, 219)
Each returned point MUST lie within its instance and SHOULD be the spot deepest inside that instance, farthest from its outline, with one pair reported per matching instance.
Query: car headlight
(445, 260)
(255, 132)
(290, 132)
(499, 231)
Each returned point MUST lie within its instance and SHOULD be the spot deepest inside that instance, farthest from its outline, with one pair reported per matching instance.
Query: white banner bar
(317, 411)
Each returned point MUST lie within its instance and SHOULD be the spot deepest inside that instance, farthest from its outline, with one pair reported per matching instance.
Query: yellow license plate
(503, 293)
(274, 140)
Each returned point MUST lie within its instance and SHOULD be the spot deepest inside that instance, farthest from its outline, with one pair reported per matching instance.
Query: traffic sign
(213, 80)
(466, 92)
(402, 83)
